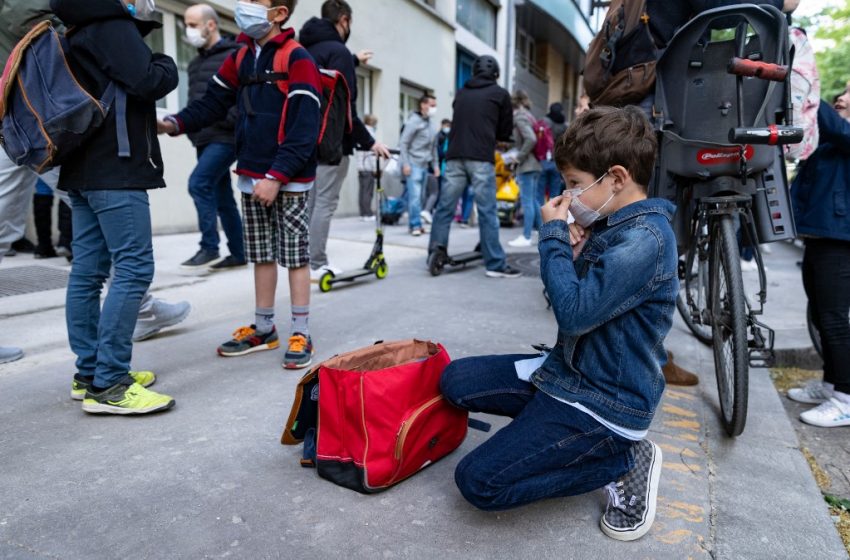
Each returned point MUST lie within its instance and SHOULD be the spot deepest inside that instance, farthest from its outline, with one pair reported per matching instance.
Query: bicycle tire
(700, 332)
(729, 326)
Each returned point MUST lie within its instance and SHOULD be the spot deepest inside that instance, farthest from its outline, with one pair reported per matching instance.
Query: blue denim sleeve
(619, 281)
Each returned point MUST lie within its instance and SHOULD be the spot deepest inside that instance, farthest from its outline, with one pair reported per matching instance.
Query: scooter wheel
(325, 284)
(382, 270)
(436, 262)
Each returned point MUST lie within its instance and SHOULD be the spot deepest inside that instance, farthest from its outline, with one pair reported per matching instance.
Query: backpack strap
(279, 73)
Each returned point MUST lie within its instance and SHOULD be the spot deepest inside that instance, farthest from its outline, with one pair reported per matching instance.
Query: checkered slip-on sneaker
(632, 499)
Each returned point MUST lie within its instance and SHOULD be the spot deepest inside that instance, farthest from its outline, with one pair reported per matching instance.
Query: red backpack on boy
(336, 118)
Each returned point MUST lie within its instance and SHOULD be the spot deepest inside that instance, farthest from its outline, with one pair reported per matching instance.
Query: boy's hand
(406, 170)
(165, 127)
(364, 56)
(556, 209)
(578, 237)
(266, 191)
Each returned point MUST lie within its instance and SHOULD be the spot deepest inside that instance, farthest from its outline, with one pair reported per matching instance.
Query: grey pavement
(210, 479)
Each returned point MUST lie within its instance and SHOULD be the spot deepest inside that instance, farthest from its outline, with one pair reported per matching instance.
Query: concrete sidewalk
(209, 478)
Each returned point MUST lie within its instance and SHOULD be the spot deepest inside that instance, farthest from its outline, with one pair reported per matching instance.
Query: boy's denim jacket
(614, 306)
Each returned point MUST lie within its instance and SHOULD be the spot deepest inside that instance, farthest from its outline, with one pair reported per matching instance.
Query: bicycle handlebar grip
(755, 69)
(772, 135)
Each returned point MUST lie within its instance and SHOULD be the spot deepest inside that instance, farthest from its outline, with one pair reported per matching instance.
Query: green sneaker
(126, 399)
(80, 386)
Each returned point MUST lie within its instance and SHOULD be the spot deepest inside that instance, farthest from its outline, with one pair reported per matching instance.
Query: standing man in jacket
(325, 38)
(110, 208)
(209, 184)
(483, 115)
(418, 149)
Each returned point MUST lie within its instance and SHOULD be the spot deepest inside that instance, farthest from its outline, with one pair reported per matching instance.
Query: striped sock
(300, 320)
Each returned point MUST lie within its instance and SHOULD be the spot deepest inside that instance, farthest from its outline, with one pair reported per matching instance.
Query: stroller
(722, 111)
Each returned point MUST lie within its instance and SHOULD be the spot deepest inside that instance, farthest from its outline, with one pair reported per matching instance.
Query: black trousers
(826, 278)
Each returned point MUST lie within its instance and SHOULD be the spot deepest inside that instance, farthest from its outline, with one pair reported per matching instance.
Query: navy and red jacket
(262, 107)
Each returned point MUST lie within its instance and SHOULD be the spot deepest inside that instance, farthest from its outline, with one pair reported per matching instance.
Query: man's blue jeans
(112, 228)
(482, 176)
(531, 217)
(212, 192)
(551, 180)
(549, 450)
(414, 184)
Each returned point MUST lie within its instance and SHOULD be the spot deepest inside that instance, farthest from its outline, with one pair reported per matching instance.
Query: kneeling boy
(581, 414)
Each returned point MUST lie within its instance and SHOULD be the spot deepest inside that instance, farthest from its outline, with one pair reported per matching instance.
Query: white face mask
(432, 111)
(584, 216)
(253, 19)
(143, 9)
(195, 37)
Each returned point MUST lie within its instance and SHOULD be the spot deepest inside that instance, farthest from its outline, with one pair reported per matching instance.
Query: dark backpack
(620, 64)
(46, 114)
(545, 141)
(335, 109)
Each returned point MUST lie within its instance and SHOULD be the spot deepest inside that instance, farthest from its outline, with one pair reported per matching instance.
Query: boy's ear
(281, 15)
(621, 176)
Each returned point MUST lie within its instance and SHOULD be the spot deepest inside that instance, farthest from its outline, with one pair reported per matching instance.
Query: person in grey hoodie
(527, 167)
(418, 147)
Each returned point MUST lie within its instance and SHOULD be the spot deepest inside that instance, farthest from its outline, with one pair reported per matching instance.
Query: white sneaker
(316, 275)
(832, 413)
(160, 316)
(813, 392)
(766, 249)
(749, 266)
(426, 216)
(367, 218)
(520, 241)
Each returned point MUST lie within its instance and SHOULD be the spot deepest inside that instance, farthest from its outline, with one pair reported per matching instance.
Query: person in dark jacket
(110, 209)
(821, 201)
(325, 40)
(483, 115)
(209, 184)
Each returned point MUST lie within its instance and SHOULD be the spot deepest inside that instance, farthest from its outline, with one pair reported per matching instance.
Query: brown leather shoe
(675, 375)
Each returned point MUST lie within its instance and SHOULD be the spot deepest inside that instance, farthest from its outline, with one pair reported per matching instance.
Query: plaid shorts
(278, 233)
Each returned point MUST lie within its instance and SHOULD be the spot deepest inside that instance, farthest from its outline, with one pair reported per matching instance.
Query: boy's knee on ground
(478, 491)
(450, 385)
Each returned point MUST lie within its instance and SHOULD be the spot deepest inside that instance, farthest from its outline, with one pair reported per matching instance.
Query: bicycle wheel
(729, 326)
(814, 333)
(694, 283)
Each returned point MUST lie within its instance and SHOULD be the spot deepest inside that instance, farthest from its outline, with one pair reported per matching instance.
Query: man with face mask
(209, 185)
(325, 40)
(418, 147)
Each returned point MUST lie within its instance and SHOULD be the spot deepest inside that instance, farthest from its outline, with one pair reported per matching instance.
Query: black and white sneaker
(506, 272)
(632, 499)
(202, 259)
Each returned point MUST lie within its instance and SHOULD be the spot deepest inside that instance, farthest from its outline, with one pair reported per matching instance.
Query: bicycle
(722, 172)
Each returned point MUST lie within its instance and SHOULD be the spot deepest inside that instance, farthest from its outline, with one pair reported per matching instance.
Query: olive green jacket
(17, 17)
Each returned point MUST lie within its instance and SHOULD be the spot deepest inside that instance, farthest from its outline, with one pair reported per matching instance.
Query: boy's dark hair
(333, 10)
(426, 97)
(606, 136)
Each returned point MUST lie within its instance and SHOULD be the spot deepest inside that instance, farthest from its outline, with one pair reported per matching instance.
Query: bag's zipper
(405, 426)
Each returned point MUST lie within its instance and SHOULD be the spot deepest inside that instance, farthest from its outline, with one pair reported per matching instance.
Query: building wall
(412, 42)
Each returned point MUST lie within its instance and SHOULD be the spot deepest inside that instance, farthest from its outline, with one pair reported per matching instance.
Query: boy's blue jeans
(549, 450)
(111, 228)
(212, 192)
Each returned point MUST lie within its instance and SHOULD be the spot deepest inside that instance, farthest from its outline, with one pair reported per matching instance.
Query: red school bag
(381, 417)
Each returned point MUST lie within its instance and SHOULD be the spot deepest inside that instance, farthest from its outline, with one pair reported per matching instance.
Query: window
(364, 91)
(408, 101)
(479, 17)
(185, 54)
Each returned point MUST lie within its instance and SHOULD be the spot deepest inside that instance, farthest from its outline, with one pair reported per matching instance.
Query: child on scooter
(581, 412)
